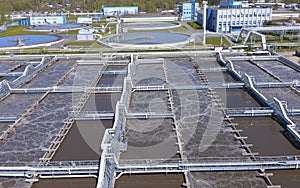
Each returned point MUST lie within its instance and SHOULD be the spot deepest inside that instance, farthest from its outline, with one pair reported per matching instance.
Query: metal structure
(110, 166)
(61, 169)
(277, 106)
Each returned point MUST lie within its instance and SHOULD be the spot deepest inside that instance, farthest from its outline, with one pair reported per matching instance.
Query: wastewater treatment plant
(146, 105)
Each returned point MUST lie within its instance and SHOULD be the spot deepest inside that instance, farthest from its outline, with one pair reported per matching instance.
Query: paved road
(67, 38)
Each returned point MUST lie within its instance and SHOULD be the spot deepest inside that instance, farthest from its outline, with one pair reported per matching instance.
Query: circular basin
(148, 38)
(56, 27)
(26, 40)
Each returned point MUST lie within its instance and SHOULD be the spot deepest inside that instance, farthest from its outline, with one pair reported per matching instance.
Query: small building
(230, 4)
(22, 22)
(86, 34)
(185, 10)
(111, 11)
(85, 20)
(3, 28)
(232, 17)
(45, 20)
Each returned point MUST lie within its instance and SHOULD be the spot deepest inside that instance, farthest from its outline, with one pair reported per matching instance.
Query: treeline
(8, 6)
(36, 5)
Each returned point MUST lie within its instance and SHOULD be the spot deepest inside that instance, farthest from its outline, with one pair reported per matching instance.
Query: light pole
(204, 22)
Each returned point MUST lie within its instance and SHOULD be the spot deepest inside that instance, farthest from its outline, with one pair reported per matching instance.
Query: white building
(46, 20)
(85, 20)
(234, 19)
(185, 10)
(111, 11)
(86, 34)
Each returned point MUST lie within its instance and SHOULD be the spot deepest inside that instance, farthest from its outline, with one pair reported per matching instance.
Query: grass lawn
(18, 30)
(195, 25)
(176, 29)
(81, 43)
(74, 32)
(179, 29)
(215, 41)
(90, 44)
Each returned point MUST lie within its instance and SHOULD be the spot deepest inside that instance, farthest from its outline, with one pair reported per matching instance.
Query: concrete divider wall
(220, 59)
(250, 86)
(4, 89)
(289, 63)
(27, 75)
(229, 65)
(113, 142)
(282, 115)
(232, 71)
(30, 71)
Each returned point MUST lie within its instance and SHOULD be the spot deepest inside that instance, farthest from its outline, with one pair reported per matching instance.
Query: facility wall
(85, 20)
(228, 20)
(187, 10)
(45, 20)
(110, 11)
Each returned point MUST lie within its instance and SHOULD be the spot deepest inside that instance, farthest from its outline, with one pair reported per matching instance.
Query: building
(3, 27)
(85, 20)
(25, 21)
(45, 20)
(186, 11)
(86, 34)
(230, 4)
(232, 17)
(111, 11)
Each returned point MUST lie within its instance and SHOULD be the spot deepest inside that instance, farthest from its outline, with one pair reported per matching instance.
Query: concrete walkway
(185, 24)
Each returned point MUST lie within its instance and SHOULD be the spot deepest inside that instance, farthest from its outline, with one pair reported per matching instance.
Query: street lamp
(204, 22)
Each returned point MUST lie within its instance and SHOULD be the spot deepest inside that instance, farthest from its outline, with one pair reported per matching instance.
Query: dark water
(235, 98)
(154, 101)
(279, 69)
(66, 183)
(83, 141)
(247, 179)
(267, 136)
(150, 138)
(116, 67)
(221, 77)
(6, 66)
(102, 102)
(285, 178)
(283, 94)
(21, 68)
(149, 74)
(51, 75)
(25, 146)
(8, 78)
(111, 80)
(252, 70)
(4, 126)
(16, 104)
(151, 181)
(12, 182)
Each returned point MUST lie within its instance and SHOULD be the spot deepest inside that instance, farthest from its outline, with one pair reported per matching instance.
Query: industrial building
(86, 34)
(187, 11)
(85, 20)
(111, 11)
(45, 20)
(230, 17)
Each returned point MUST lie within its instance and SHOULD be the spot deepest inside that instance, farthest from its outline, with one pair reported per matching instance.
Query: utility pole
(204, 22)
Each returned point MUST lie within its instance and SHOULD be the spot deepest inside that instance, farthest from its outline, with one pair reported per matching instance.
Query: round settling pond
(56, 27)
(148, 38)
(151, 26)
(26, 40)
